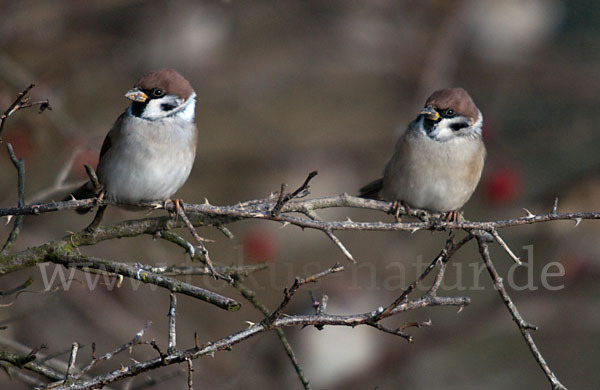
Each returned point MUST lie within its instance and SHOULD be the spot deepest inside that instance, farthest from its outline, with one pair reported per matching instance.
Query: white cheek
(188, 112)
(444, 131)
(153, 109)
(478, 124)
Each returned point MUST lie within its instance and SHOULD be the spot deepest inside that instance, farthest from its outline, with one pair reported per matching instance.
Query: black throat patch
(137, 108)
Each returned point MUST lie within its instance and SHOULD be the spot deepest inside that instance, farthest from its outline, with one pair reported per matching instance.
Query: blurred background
(285, 88)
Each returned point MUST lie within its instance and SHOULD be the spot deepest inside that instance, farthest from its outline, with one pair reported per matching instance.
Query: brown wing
(108, 140)
(371, 190)
(86, 190)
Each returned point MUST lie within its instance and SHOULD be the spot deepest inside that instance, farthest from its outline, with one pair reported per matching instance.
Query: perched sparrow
(437, 162)
(149, 152)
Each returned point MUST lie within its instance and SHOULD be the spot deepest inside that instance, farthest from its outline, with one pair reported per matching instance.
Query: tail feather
(86, 191)
(371, 190)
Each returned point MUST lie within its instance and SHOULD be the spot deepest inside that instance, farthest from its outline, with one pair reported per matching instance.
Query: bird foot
(397, 205)
(178, 203)
(452, 216)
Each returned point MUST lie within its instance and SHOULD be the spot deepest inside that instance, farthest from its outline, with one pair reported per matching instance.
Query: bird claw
(452, 216)
(395, 211)
(397, 205)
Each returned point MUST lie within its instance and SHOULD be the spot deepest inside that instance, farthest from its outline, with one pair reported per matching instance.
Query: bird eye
(449, 113)
(157, 92)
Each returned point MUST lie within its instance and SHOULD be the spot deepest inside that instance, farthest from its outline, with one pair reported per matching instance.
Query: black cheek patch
(458, 126)
(167, 107)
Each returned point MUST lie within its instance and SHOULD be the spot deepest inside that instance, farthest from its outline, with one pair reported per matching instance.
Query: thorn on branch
(157, 349)
(319, 306)
(300, 191)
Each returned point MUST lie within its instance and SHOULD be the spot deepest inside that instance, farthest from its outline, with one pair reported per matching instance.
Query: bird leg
(395, 210)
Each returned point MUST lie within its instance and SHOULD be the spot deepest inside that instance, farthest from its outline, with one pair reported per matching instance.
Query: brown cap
(456, 98)
(169, 80)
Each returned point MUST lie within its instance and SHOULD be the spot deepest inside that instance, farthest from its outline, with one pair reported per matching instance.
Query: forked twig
(22, 101)
(282, 200)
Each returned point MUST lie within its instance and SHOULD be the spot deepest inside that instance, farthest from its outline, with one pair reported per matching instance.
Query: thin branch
(339, 244)
(501, 242)
(201, 245)
(178, 240)
(97, 360)
(523, 326)
(17, 289)
(22, 101)
(30, 364)
(313, 215)
(395, 332)
(207, 214)
(234, 271)
(71, 365)
(190, 374)
(298, 282)
(172, 330)
(141, 274)
(19, 164)
(21, 375)
(93, 179)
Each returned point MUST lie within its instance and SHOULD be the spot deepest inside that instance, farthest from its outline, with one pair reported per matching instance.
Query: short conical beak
(136, 95)
(430, 113)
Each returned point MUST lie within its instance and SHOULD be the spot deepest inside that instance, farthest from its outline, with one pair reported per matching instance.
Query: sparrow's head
(450, 113)
(160, 94)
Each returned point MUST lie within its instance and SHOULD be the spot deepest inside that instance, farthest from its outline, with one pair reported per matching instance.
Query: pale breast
(434, 175)
(150, 161)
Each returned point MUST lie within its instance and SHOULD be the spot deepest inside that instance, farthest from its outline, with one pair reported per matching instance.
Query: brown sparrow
(437, 161)
(149, 152)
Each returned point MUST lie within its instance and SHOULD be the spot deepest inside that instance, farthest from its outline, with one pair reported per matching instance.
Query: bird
(149, 152)
(438, 161)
